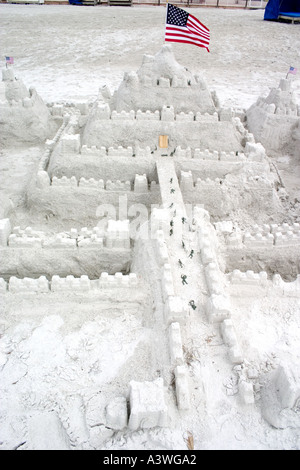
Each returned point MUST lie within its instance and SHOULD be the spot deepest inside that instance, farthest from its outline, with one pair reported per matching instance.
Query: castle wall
(233, 193)
(272, 248)
(72, 284)
(27, 252)
(87, 201)
(198, 131)
(218, 304)
(106, 168)
(257, 284)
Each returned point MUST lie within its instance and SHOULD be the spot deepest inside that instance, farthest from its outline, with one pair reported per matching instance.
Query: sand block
(116, 414)
(217, 308)
(46, 432)
(182, 388)
(175, 310)
(147, 405)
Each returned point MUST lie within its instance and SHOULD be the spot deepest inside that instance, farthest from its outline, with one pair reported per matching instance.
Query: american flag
(293, 70)
(183, 27)
(9, 60)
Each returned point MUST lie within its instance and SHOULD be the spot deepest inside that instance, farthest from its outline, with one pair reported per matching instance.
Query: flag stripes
(293, 70)
(185, 28)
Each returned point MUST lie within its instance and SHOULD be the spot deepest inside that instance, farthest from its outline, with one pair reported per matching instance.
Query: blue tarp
(275, 8)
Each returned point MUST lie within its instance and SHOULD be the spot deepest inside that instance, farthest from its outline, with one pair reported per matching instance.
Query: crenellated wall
(74, 238)
(251, 154)
(172, 311)
(110, 151)
(251, 284)
(232, 194)
(166, 113)
(69, 283)
(104, 129)
(273, 248)
(140, 184)
(27, 252)
(218, 305)
(100, 162)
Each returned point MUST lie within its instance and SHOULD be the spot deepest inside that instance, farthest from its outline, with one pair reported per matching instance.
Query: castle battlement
(117, 235)
(179, 152)
(135, 81)
(67, 284)
(123, 115)
(264, 236)
(252, 153)
(218, 303)
(140, 183)
(258, 240)
(248, 278)
(287, 239)
(174, 313)
(40, 285)
(115, 152)
(147, 115)
(167, 113)
(275, 286)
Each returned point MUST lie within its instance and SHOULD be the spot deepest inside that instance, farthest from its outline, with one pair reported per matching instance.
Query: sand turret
(24, 117)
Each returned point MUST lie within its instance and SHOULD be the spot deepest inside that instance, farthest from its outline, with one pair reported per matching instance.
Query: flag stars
(176, 16)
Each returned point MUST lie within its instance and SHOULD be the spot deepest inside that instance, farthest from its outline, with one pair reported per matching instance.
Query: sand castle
(274, 119)
(165, 203)
(24, 115)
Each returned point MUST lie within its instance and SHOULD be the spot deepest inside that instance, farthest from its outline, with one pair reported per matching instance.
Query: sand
(63, 362)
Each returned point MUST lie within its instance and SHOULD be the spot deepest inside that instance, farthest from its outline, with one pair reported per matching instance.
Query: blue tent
(287, 8)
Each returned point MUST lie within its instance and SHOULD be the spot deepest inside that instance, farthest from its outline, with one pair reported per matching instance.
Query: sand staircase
(187, 270)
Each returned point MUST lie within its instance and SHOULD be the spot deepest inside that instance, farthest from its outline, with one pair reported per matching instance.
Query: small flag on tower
(186, 28)
(9, 60)
(293, 70)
